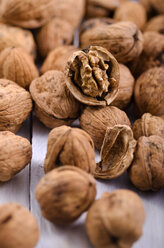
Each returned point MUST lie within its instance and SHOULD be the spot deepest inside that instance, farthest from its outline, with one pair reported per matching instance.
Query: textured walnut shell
(93, 76)
(18, 66)
(149, 92)
(96, 120)
(122, 39)
(54, 104)
(57, 31)
(65, 193)
(71, 146)
(115, 220)
(148, 125)
(57, 59)
(158, 5)
(147, 170)
(15, 105)
(18, 227)
(156, 24)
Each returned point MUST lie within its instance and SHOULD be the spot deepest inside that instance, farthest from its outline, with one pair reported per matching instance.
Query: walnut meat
(96, 120)
(71, 146)
(93, 76)
(115, 220)
(65, 193)
(147, 170)
(156, 24)
(18, 227)
(54, 104)
(17, 65)
(15, 105)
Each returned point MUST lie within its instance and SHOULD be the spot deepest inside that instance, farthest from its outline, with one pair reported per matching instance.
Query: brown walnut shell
(155, 24)
(95, 121)
(71, 146)
(149, 92)
(54, 104)
(116, 152)
(65, 193)
(148, 125)
(115, 220)
(93, 76)
(15, 105)
(147, 5)
(18, 227)
(158, 5)
(18, 66)
(147, 170)
(123, 39)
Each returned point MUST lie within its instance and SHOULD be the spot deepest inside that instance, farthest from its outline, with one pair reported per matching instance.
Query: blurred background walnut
(155, 24)
(158, 5)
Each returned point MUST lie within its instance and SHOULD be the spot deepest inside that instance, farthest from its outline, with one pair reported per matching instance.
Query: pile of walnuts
(119, 62)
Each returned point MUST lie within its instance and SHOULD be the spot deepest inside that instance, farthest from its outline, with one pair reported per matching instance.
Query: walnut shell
(15, 105)
(54, 104)
(147, 170)
(158, 5)
(57, 59)
(147, 5)
(65, 193)
(115, 220)
(96, 120)
(93, 76)
(17, 65)
(155, 24)
(71, 146)
(123, 39)
(57, 31)
(149, 92)
(148, 125)
(18, 227)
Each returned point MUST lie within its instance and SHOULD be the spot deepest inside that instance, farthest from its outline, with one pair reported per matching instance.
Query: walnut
(149, 92)
(65, 193)
(147, 5)
(95, 120)
(57, 31)
(116, 152)
(18, 227)
(71, 146)
(123, 39)
(54, 104)
(15, 105)
(115, 220)
(147, 170)
(158, 5)
(155, 24)
(17, 65)
(93, 76)
(57, 58)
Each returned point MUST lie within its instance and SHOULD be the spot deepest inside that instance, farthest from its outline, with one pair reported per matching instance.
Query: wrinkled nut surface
(54, 104)
(15, 154)
(116, 152)
(71, 146)
(149, 92)
(123, 39)
(18, 227)
(158, 5)
(57, 59)
(115, 220)
(155, 24)
(93, 76)
(15, 105)
(147, 170)
(18, 66)
(96, 120)
(148, 125)
(65, 193)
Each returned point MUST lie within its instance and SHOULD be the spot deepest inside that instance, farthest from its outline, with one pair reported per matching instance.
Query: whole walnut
(149, 92)
(15, 105)
(18, 227)
(123, 39)
(57, 31)
(65, 193)
(57, 58)
(54, 104)
(147, 5)
(147, 170)
(148, 125)
(158, 5)
(71, 146)
(96, 120)
(115, 220)
(155, 24)
(18, 66)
